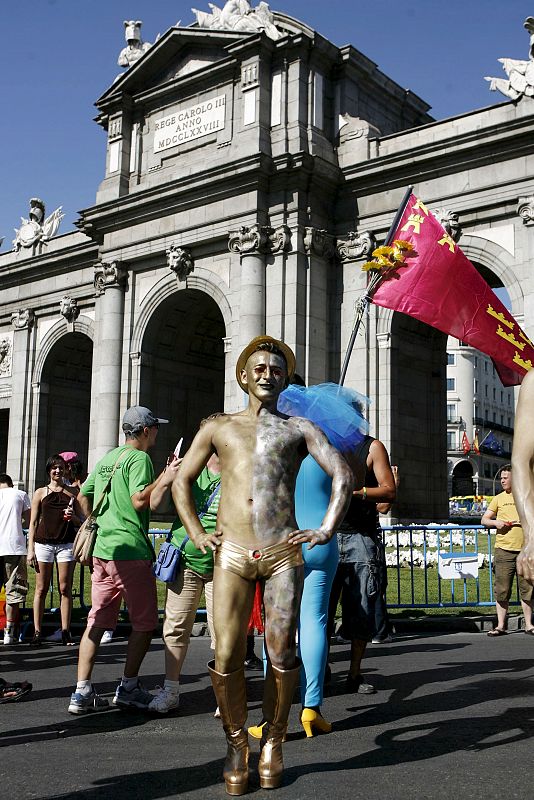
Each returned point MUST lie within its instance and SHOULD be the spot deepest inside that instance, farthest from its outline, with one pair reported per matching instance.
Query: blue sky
(58, 56)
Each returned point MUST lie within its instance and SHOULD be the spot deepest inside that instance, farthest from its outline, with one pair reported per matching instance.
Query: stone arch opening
(462, 479)
(182, 366)
(65, 400)
(496, 264)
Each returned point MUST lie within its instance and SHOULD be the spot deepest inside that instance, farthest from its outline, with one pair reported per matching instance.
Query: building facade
(248, 175)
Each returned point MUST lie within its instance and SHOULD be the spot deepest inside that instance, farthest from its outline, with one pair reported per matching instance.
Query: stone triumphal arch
(251, 167)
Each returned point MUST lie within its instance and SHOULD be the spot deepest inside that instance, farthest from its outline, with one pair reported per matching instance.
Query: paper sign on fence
(458, 565)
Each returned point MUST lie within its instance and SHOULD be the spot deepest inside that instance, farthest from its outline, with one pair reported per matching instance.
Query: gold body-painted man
(260, 452)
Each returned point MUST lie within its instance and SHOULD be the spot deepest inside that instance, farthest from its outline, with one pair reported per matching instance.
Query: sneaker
(384, 640)
(107, 636)
(138, 697)
(359, 685)
(84, 703)
(165, 701)
(11, 637)
(254, 663)
(55, 637)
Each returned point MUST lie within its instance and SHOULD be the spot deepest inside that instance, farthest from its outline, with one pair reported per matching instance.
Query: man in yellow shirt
(502, 515)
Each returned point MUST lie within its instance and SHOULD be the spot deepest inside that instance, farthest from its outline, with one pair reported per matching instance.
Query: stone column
(251, 243)
(320, 249)
(19, 415)
(110, 283)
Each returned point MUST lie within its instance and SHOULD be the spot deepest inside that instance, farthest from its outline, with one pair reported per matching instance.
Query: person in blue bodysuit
(337, 411)
(311, 498)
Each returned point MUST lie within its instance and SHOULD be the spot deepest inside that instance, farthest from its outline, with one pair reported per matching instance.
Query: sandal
(11, 692)
(529, 631)
(498, 632)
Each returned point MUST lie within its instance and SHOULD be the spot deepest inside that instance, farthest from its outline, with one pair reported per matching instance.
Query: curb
(449, 624)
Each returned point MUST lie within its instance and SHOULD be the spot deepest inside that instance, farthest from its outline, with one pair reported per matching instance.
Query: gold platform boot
(278, 695)
(231, 695)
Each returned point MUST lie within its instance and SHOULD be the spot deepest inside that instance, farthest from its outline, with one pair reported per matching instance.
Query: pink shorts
(133, 581)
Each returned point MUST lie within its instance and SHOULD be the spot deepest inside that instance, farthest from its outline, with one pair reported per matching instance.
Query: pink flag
(439, 285)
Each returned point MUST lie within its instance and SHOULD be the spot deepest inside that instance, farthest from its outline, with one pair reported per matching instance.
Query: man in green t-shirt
(502, 515)
(122, 559)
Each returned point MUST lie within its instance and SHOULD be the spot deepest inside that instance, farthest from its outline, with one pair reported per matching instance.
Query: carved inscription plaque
(185, 124)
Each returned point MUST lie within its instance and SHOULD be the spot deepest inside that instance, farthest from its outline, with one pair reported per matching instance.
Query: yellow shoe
(256, 731)
(311, 719)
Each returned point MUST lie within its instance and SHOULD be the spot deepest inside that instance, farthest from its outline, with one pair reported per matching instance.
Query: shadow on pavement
(414, 743)
(151, 785)
(398, 745)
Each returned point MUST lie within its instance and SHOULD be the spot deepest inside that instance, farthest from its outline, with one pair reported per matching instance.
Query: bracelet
(364, 493)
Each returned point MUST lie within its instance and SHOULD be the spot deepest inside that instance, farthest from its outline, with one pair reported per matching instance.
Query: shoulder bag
(85, 539)
(169, 557)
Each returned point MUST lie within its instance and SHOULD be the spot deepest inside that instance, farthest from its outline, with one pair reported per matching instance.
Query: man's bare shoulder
(377, 448)
(222, 420)
(214, 419)
(217, 424)
(304, 426)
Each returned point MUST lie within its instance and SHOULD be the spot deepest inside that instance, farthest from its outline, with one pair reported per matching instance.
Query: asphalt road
(453, 717)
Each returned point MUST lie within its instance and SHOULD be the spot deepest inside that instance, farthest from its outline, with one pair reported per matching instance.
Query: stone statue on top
(135, 47)
(36, 229)
(520, 81)
(238, 15)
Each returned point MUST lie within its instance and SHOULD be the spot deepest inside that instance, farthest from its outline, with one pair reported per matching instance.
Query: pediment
(179, 52)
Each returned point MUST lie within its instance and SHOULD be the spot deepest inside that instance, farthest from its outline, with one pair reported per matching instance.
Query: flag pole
(364, 301)
(484, 439)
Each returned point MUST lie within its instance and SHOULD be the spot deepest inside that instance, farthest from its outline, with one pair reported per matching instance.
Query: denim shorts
(361, 582)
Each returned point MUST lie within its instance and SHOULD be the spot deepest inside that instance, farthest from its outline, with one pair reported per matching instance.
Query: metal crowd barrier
(83, 583)
(411, 558)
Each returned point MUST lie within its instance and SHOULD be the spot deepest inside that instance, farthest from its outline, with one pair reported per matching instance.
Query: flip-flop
(530, 631)
(11, 692)
(497, 632)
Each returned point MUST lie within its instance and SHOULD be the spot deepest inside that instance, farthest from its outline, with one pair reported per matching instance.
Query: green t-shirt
(194, 559)
(121, 529)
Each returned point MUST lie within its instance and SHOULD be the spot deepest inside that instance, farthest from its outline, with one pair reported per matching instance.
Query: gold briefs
(259, 563)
